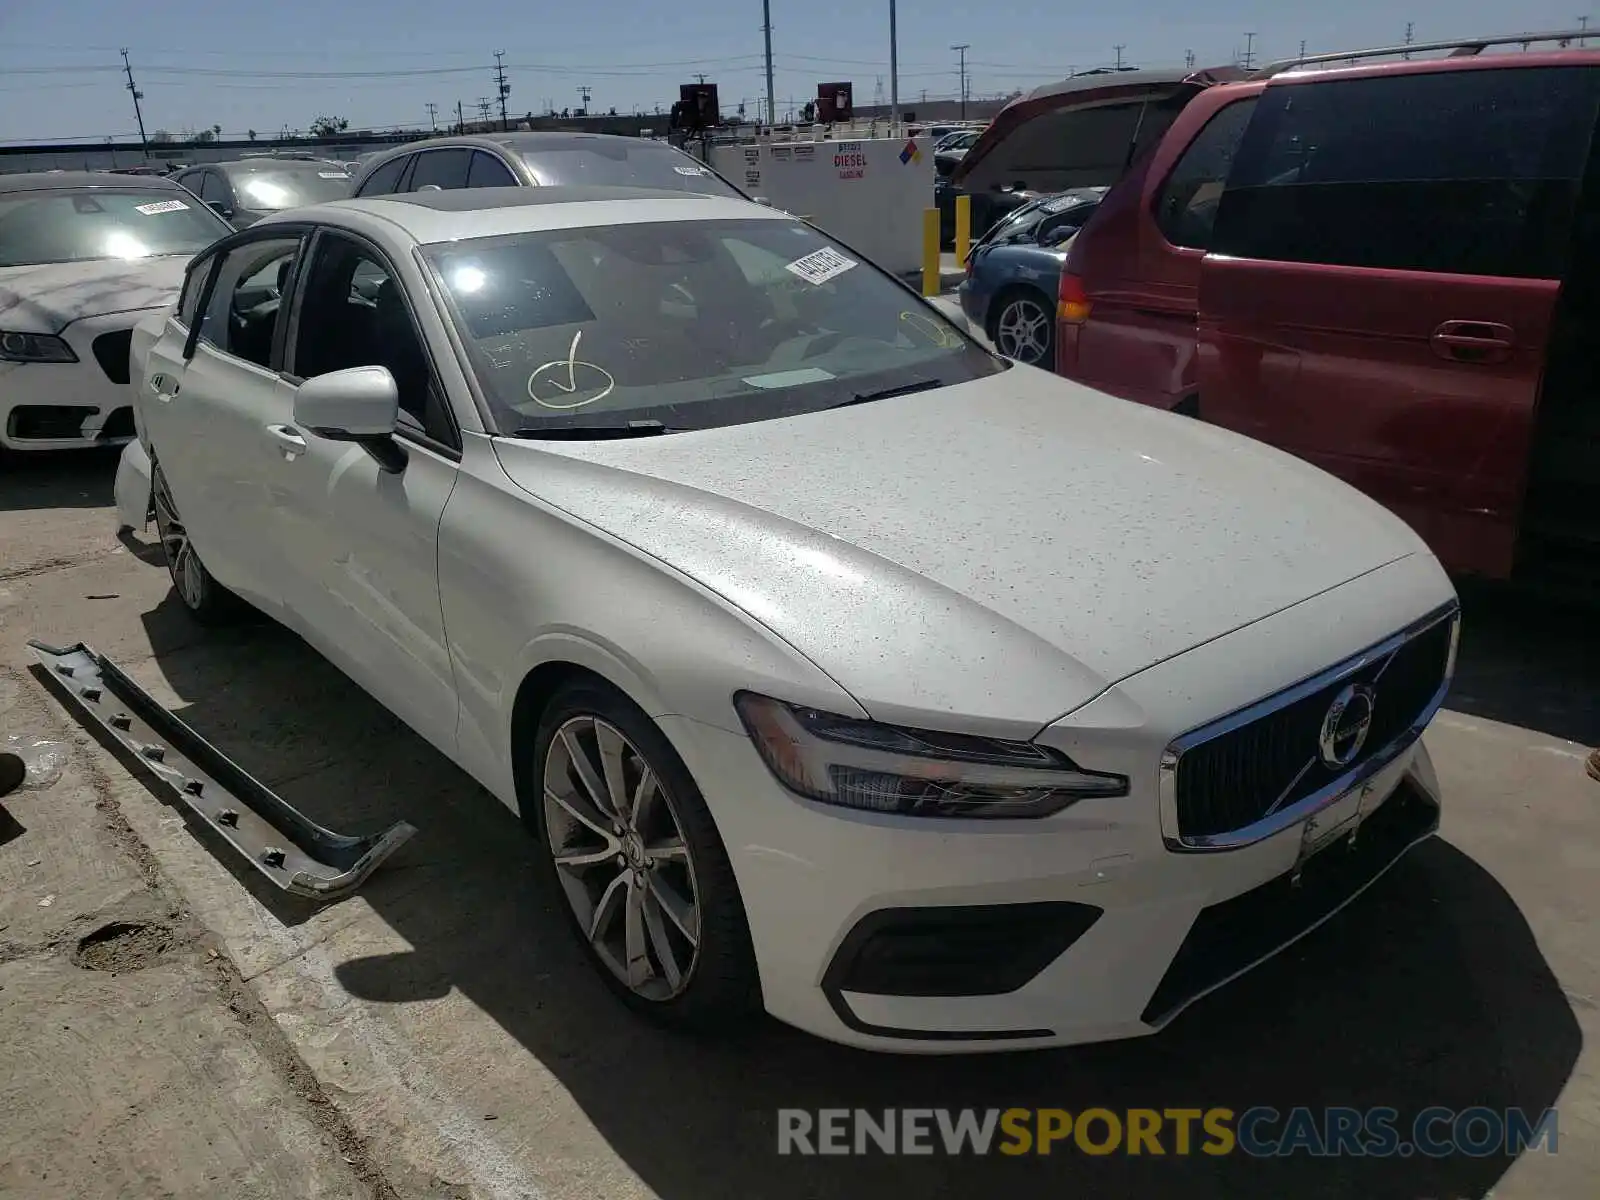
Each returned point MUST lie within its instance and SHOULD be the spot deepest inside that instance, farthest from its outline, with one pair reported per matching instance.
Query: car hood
(1080, 132)
(1004, 549)
(49, 297)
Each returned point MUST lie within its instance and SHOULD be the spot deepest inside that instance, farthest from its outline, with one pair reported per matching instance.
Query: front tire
(1023, 327)
(206, 600)
(629, 844)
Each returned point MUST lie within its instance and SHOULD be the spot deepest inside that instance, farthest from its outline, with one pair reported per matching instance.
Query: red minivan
(1391, 269)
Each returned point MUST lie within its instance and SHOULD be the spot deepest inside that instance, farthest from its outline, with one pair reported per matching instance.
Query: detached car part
(292, 851)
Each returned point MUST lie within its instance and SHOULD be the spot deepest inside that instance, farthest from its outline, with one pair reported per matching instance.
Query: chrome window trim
(1297, 812)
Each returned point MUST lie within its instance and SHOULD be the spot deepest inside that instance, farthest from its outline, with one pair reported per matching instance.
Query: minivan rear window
(1471, 172)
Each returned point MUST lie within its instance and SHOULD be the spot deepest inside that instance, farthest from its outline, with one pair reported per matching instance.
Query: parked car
(244, 191)
(537, 160)
(760, 590)
(84, 255)
(1014, 270)
(1080, 132)
(1387, 269)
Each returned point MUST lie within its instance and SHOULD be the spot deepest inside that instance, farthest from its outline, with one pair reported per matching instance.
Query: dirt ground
(171, 1027)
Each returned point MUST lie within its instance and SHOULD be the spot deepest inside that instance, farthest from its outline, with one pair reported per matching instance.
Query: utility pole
(1188, 59)
(961, 50)
(1249, 51)
(502, 88)
(138, 115)
(766, 31)
(483, 108)
(586, 91)
(1119, 48)
(433, 115)
(1302, 49)
(1583, 28)
(461, 119)
(1410, 27)
(894, 66)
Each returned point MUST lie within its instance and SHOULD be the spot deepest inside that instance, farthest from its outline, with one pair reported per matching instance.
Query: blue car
(1013, 272)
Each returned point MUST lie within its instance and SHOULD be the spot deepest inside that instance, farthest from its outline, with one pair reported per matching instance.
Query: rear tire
(642, 872)
(1022, 327)
(206, 600)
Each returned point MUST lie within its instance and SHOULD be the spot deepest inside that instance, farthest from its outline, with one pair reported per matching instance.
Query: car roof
(441, 216)
(40, 181)
(269, 162)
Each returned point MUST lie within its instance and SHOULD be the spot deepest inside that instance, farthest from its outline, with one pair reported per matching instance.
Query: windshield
(623, 162)
(693, 324)
(290, 187)
(83, 224)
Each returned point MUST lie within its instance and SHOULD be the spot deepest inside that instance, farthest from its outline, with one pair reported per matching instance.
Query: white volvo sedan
(839, 666)
(83, 256)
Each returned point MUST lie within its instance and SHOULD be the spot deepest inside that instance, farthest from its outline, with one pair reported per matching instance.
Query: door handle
(1474, 341)
(288, 439)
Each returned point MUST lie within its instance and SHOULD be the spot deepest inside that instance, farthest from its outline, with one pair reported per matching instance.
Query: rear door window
(1471, 172)
(488, 171)
(386, 179)
(1186, 210)
(446, 169)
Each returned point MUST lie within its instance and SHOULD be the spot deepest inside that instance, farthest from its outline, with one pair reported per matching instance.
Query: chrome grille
(1245, 776)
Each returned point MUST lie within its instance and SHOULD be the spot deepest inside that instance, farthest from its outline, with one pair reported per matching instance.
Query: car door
(204, 413)
(364, 589)
(1383, 277)
(444, 170)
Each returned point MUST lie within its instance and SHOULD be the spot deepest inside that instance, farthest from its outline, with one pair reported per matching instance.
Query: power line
(502, 88)
(138, 115)
(961, 52)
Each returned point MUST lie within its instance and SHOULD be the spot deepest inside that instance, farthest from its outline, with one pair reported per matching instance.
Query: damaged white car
(839, 666)
(83, 256)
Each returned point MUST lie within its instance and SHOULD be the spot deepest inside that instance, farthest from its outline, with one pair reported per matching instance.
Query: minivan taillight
(1072, 301)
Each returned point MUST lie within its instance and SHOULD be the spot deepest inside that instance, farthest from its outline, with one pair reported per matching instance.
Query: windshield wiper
(588, 433)
(904, 389)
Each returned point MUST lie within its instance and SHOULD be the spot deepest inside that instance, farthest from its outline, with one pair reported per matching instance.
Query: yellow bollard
(930, 252)
(963, 228)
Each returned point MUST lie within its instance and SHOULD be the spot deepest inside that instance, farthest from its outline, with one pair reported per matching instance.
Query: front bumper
(1117, 932)
(69, 406)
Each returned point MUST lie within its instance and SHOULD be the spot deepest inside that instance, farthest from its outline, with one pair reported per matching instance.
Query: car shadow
(1430, 990)
(49, 479)
(1529, 661)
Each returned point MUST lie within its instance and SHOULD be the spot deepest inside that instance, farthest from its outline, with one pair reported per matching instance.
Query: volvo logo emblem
(1345, 726)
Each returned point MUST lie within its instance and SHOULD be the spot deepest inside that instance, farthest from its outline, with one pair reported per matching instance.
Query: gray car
(542, 159)
(244, 191)
(1013, 273)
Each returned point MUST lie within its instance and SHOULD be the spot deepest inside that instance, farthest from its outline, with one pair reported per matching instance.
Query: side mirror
(1058, 236)
(358, 404)
(221, 209)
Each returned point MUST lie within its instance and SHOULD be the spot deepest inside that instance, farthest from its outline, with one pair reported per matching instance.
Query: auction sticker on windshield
(820, 266)
(160, 206)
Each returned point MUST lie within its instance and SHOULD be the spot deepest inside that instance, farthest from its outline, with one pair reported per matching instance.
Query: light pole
(894, 69)
(766, 28)
(962, 51)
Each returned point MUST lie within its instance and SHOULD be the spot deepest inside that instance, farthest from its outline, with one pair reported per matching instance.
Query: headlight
(914, 772)
(35, 348)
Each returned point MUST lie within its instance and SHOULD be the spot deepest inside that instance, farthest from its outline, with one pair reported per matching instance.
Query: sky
(379, 63)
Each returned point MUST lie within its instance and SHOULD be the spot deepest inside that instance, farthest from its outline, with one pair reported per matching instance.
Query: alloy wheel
(621, 857)
(1023, 331)
(187, 573)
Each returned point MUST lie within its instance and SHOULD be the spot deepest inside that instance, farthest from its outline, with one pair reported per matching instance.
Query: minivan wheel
(634, 853)
(206, 600)
(1023, 328)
